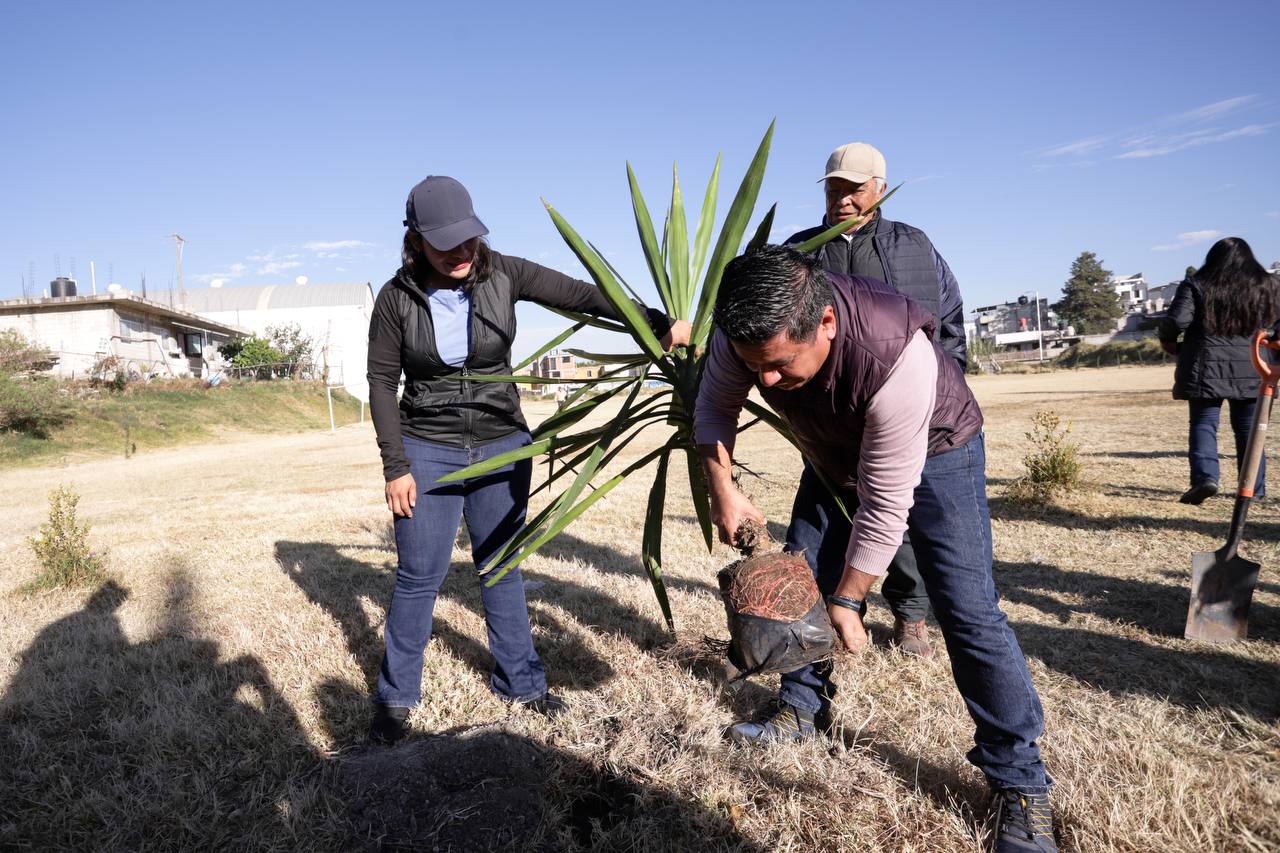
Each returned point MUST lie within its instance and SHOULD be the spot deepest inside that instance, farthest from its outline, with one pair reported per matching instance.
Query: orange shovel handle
(1270, 373)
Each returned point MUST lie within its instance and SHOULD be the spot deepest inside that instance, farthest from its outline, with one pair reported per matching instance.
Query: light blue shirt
(451, 316)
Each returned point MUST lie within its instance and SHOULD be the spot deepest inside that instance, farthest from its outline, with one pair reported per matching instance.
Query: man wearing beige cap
(904, 257)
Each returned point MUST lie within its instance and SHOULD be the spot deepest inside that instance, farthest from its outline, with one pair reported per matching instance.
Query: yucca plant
(676, 264)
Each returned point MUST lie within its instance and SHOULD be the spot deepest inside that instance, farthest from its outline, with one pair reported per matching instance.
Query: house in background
(1132, 291)
(147, 338)
(334, 316)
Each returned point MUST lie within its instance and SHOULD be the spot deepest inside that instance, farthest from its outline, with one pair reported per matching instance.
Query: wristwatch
(855, 604)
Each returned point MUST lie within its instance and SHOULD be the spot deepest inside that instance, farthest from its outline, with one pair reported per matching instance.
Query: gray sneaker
(782, 722)
(1024, 823)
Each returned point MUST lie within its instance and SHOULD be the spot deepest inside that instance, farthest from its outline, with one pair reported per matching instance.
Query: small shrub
(31, 405)
(1052, 464)
(62, 546)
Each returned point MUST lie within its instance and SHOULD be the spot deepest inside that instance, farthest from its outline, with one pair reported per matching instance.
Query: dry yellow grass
(213, 695)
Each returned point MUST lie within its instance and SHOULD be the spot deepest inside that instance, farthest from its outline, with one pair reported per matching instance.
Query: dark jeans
(1203, 444)
(903, 588)
(950, 528)
(494, 508)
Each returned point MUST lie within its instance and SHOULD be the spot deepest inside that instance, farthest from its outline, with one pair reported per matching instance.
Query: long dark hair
(418, 269)
(1240, 296)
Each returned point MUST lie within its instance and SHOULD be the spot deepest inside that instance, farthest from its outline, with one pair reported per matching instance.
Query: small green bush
(62, 546)
(33, 405)
(1052, 464)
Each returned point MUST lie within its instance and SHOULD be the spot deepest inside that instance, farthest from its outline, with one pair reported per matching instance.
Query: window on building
(194, 344)
(132, 327)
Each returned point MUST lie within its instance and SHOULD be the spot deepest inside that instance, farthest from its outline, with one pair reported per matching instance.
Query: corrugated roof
(208, 300)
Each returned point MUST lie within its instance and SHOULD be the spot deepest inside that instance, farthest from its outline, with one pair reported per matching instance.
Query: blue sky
(281, 139)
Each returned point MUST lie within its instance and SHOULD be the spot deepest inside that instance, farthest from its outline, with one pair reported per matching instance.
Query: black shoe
(782, 722)
(388, 724)
(548, 705)
(1199, 493)
(1024, 823)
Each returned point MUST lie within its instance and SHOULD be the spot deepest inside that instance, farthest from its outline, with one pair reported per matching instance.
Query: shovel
(1222, 581)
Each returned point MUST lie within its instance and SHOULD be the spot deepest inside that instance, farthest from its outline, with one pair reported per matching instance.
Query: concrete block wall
(77, 337)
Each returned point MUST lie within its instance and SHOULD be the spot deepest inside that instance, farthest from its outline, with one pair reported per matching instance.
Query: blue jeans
(1203, 444)
(494, 508)
(950, 529)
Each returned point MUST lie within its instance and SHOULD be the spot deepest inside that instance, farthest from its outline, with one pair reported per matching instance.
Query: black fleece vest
(441, 402)
(827, 415)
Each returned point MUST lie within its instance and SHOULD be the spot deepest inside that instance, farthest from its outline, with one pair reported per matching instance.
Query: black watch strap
(855, 604)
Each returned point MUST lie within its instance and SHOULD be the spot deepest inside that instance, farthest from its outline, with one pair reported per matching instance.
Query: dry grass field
(212, 694)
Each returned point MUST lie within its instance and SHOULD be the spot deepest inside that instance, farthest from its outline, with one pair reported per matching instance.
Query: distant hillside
(168, 414)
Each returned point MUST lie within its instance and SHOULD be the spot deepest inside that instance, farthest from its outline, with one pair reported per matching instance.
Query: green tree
(1089, 302)
(294, 347)
(1190, 272)
(258, 357)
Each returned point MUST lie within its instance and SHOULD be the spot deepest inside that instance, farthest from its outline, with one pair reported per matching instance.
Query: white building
(1132, 290)
(144, 338)
(334, 316)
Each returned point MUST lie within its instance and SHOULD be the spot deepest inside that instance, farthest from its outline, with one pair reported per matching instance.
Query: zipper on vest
(466, 410)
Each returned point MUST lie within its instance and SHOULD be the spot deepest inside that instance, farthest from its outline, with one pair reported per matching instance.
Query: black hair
(769, 290)
(1240, 296)
(418, 268)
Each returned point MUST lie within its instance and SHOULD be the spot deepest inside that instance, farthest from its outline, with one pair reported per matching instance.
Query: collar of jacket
(868, 229)
(832, 368)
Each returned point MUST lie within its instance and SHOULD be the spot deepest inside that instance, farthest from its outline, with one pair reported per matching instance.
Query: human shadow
(566, 546)
(110, 744)
(1159, 607)
(339, 584)
(1193, 677)
(1004, 509)
(486, 788)
(1140, 454)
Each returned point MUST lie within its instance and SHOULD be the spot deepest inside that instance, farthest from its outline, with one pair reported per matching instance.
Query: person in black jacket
(447, 316)
(902, 256)
(1218, 311)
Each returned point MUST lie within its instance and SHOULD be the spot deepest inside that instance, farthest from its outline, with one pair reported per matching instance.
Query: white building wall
(79, 338)
(342, 330)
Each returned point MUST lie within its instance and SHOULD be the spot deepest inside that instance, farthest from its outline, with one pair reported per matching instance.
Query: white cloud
(276, 267)
(1215, 110)
(1159, 145)
(1187, 239)
(1273, 214)
(1165, 134)
(321, 246)
(238, 269)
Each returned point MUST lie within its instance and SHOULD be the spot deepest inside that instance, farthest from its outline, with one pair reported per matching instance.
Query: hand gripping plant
(676, 267)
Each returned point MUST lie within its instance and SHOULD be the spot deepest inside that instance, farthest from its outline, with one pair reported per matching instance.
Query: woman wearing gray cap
(449, 314)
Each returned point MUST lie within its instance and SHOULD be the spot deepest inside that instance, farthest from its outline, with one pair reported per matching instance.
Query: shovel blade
(1221, 592)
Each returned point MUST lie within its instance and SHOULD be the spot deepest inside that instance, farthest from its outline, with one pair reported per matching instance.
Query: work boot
(783, 722)
(1199, 493)
(389, 724)
(912, 638)
(1024, 823)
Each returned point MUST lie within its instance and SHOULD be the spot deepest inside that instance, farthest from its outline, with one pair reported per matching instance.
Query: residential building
(143, 337)
(556, 364)
(1132, 290)
(1009, 318)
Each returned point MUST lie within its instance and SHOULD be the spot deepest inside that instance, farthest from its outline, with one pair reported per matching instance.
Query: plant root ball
(773, 586)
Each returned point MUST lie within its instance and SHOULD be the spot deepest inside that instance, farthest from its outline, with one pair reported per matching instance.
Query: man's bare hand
(678, 335)
(729, 510)
(849, 628)
(402, 495)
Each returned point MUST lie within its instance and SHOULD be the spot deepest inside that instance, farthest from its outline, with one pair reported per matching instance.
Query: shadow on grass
(1002, 509)
(341, 584)
(489, 789)
(109, 744)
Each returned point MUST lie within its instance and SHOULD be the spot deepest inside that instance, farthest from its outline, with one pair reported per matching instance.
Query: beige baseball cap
(856, 162)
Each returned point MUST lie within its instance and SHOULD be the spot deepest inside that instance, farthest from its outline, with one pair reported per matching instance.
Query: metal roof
(210, 300)
(122, 300)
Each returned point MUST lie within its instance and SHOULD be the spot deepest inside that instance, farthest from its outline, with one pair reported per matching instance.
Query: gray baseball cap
(439, 208)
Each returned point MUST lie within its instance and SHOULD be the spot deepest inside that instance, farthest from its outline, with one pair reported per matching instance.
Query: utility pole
(1039, 328)
(178, 241)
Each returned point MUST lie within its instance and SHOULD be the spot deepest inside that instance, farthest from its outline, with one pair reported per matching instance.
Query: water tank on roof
(62, 286)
